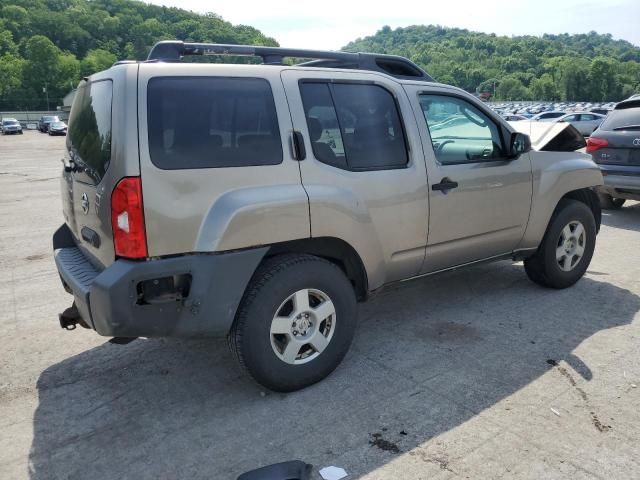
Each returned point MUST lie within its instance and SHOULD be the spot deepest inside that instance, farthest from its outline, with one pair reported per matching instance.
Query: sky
(331, 24)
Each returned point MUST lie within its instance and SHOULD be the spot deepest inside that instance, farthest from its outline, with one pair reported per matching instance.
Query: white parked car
(547, 116)
(585, 122)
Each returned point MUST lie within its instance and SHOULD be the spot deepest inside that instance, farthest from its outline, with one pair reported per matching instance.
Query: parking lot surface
(476, 373)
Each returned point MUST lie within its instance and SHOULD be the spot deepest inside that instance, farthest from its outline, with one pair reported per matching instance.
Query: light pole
(46, 90)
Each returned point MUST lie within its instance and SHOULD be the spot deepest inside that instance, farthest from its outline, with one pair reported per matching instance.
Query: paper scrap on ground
(333, 473)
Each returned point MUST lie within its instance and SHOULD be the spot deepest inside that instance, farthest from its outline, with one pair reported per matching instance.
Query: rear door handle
(444, 185)
(298, 146)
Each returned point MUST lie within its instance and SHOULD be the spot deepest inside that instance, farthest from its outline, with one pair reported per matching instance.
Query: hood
(551, 136)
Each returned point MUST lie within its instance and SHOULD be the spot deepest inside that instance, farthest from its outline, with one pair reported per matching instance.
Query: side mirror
(520, 143)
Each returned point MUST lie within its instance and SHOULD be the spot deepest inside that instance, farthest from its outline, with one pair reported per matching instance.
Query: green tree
(11, 68)
(543, 88)
(511, 88)
(96, 61)
(7, 45)
(604, 81)
(42, 63)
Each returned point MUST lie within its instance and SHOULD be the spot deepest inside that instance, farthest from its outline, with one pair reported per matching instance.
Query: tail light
(127, 219)
(594, 143)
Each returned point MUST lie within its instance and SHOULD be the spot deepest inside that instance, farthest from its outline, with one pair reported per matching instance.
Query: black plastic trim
(174, 50)
(107, 299)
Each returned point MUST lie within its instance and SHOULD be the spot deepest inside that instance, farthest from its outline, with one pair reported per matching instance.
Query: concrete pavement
(474, 374)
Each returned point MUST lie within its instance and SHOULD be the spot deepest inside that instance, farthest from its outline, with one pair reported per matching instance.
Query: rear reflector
(127, 219)
(594, 144)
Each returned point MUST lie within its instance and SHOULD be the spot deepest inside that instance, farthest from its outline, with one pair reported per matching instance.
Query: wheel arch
(334, 250)
(590, 198)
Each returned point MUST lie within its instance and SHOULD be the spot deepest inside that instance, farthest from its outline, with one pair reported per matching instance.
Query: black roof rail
(396, 66)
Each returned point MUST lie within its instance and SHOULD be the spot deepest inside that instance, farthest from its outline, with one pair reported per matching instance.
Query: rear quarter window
(618, 119)
(89, 131)
(212, 122)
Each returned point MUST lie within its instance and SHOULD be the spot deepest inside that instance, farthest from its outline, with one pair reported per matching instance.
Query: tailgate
(100, 150)
(623, 148)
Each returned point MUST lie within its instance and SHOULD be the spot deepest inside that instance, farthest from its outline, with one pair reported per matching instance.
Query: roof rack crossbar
(174, 50)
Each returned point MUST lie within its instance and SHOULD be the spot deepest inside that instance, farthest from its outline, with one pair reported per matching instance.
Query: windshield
(58, 124)
(50, 119)
(9, 122)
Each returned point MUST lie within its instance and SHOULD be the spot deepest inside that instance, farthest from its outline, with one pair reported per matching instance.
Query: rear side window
(354, 126)
(619, 119)
(89, 132)
(209, 122)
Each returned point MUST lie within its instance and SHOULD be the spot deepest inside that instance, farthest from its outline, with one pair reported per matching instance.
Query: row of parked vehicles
(50, 124)
(613, 132)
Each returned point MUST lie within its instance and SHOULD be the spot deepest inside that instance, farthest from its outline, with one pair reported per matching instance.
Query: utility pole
(46, 90)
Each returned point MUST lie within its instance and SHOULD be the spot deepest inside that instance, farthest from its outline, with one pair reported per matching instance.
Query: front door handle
(444, 185)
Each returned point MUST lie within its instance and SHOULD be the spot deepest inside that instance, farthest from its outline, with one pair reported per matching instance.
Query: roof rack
(396, 66)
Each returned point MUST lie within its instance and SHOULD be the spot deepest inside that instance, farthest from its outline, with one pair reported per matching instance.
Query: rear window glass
(354, 126)
(89, 132)
(209, 122)
(617, 119)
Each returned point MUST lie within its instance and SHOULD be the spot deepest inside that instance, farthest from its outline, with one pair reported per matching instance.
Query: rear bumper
(110, 301)
(621, 181)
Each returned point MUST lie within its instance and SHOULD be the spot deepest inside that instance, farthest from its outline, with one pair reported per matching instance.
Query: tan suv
(261, 202)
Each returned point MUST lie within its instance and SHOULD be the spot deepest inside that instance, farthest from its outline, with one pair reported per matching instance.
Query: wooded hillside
(53, 43)
(552, 67)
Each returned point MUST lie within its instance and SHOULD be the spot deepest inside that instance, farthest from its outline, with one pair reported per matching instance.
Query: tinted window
(207, 122)
(89, 132)
(460, 132)
(354, 126)
(617, 119)
(571, 118)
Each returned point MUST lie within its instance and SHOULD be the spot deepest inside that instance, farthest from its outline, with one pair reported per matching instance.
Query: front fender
(554, 175)
(255, 216)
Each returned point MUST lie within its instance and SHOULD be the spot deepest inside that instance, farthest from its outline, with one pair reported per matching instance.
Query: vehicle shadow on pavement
(626, 218)
(429, 355)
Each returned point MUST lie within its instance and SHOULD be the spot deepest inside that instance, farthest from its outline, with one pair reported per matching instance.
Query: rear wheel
(607, 202)
(567, 247)
(295, 322)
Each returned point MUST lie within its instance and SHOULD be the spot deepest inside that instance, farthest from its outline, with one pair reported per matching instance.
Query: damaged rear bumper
(184, 296)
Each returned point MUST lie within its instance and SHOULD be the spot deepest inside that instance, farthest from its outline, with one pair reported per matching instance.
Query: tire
(274, 291)
(545, 268)
(607, 202)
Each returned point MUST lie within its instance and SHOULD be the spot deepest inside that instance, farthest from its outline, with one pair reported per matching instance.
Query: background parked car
(585, 122)
(615, 147)
(514, 118)
(58, 128)
(45, 121)
(11, 126)
(547, 116)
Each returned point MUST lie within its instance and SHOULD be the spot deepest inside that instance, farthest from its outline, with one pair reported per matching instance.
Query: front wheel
(295, 323)
(567, 247)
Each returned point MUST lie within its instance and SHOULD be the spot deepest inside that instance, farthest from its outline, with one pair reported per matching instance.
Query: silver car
(585, 122)
(262, 202)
